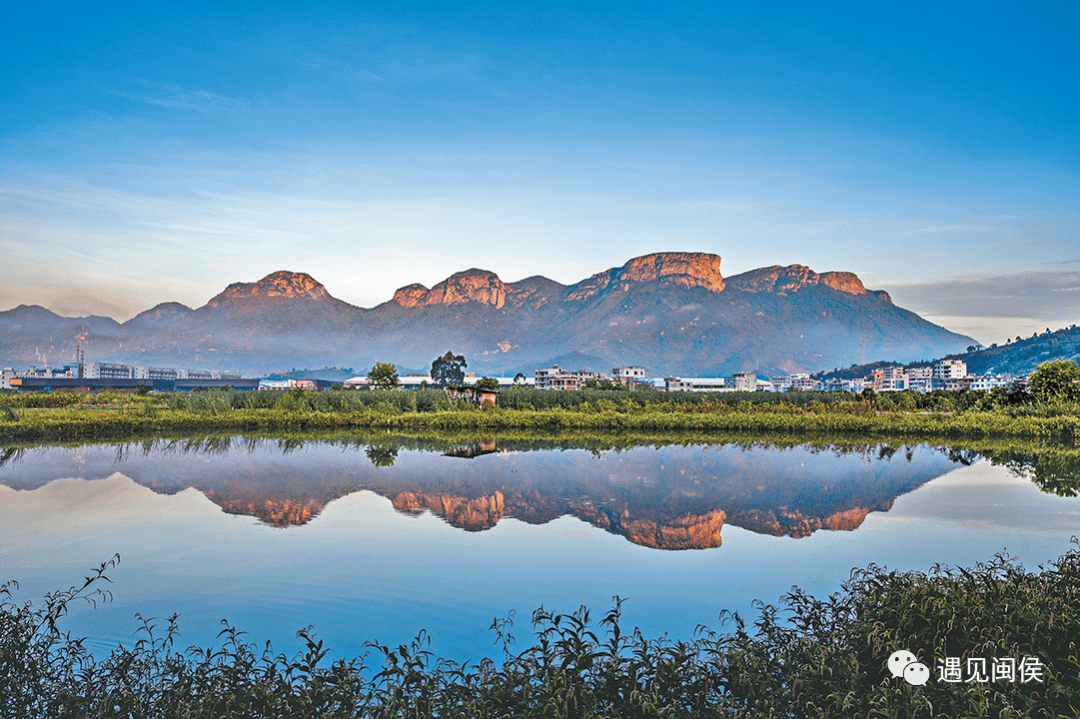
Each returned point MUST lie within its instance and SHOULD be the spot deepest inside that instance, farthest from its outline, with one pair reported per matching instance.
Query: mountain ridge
(670, 312)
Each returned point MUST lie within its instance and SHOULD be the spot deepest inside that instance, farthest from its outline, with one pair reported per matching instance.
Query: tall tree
(448, 369)
(383, 376)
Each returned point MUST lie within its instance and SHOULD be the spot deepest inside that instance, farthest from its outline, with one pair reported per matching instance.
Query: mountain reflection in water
(667, 497)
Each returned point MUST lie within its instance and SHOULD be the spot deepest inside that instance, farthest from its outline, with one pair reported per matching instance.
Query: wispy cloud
(176, 97)
(959, 227)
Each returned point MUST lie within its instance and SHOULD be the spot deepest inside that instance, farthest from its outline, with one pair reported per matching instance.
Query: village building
(950, 369)
(559, 379)
(629, 377)
(744, 382)
(695, 384)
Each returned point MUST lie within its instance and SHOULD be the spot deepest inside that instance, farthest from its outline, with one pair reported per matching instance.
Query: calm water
(377, 541)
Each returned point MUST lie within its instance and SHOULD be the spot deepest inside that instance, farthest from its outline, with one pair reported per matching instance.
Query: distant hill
(1022, 356)
(1017, 357)
(671, 313)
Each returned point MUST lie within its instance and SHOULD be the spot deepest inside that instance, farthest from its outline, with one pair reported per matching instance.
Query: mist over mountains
(671, 313)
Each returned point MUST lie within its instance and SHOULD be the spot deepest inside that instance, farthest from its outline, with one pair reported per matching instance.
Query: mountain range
(672, 313)
(676, 497)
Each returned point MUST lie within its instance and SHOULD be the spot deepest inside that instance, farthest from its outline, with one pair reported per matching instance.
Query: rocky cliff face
(683, 269)
(469, 286)
(680, 269)
(783, 280)
(277, 286)
(677, 269)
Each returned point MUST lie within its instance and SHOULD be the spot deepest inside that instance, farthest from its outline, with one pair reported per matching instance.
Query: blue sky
(157, 152)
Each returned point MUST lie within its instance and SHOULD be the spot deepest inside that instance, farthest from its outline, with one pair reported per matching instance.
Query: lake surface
(378, 539)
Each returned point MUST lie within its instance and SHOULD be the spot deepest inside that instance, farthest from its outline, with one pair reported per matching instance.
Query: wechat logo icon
(903, 664)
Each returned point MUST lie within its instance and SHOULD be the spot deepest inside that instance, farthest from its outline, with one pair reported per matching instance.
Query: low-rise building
(989, 382)
(544, 376)
(558, 378)
(854, 385)
(695, 384)
(800, 381)
(628, 376)
(154, 373)
(744, 382)
(924, 384)
(104, 370)
(889, 379)
(126, 384)
(954, 384)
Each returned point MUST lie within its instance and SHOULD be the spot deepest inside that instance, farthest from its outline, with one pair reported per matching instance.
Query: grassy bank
(806, 658)
(945, 415)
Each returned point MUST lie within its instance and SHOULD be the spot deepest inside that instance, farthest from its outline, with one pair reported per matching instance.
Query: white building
(801, 381)
(854, 385)
(105, 370)
(950, 369)
(153, 373)
(923, 384)
(922, 372)
(558, 378)
(695, 384)
(989, 382)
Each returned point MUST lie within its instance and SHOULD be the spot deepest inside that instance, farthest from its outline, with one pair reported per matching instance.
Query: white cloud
(991, 308)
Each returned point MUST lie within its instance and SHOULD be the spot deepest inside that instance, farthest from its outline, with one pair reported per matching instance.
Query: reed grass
(805, 657)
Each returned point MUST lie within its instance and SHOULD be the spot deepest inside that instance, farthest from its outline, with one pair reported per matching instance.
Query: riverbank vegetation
(807, 657)
(961, 414)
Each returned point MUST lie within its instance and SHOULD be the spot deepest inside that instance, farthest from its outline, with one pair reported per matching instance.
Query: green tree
(487, 383)
(383, 375)
(1056, 380)
(448, 369)
(599, 383)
